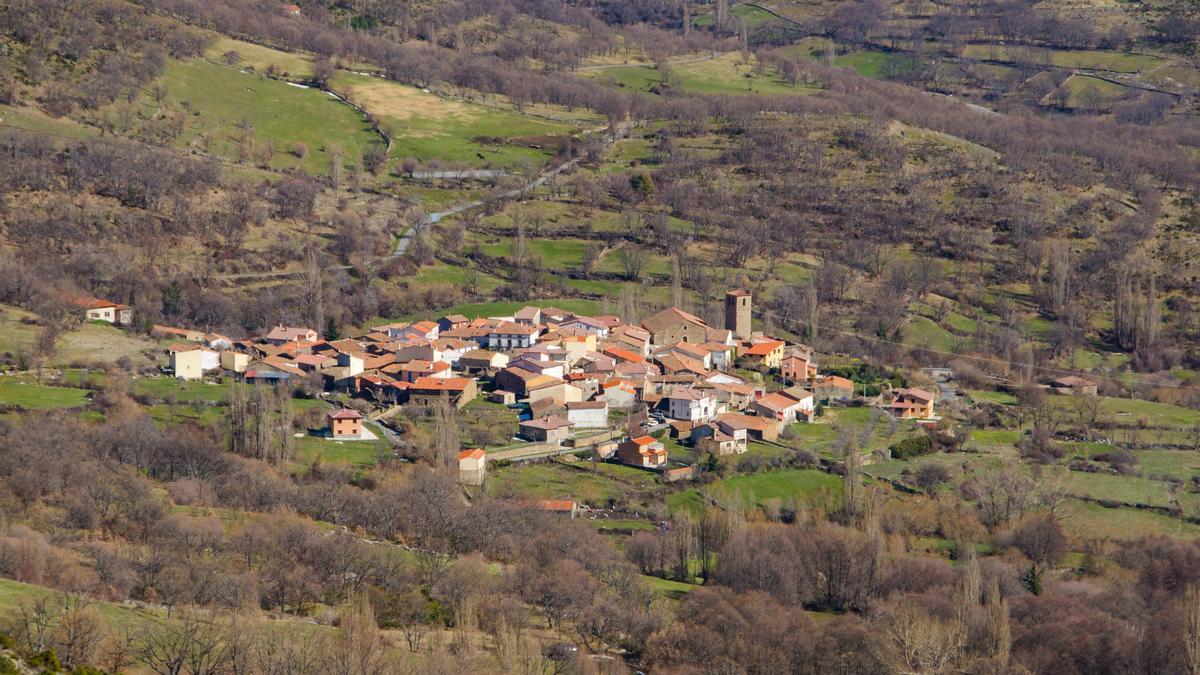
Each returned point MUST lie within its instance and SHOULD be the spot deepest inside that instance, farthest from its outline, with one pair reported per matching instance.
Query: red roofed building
(621, 354)
(546, 430)
(675, 325)
(832, 387)
(769, 353)
(914, 403)
(798, 366)
(645, 451)
(566, 507)
(459, 391)
(782, 408)
(472, 466)
(619, 394)
(95, 309)
(283, 334)
(345, 423)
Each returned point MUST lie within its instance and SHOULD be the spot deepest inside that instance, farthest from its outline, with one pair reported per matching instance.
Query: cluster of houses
(565, 375)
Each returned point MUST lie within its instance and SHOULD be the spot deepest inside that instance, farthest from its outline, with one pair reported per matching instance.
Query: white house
(421, 330)
(508, 335)
(235, 361)
(785, 406)
(585, 325)
(191, 362)
(588, 414)
(217, 341)
(713, 438)
(96, 309)
(353, 363)
(551, 368)
(692, 405)
(619, 394)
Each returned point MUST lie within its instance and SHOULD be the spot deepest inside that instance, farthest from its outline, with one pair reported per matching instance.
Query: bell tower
(737, 313)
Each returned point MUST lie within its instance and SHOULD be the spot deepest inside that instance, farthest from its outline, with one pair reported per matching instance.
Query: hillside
(387, 337)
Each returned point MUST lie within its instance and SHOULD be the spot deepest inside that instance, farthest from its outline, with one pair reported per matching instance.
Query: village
(576, 384)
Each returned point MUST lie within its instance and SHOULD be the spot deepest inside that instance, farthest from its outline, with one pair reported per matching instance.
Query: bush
(46, 660)
(912, 447)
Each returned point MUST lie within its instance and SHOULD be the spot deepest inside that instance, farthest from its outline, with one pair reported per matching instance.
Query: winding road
(406, 239)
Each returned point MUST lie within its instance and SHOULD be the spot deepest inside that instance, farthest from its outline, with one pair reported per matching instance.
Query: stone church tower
(737, 313)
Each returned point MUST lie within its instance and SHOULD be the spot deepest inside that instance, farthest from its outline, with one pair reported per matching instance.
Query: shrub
(46, 660)
(912, 447)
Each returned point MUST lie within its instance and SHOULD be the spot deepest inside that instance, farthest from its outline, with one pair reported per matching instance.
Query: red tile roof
(777, 402)
(345, 414)
(624, 355)
(441, 383)
(763, 348)
(547, 423)
(474, 453)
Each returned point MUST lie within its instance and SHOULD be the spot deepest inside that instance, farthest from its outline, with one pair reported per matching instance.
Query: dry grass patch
(401, 103)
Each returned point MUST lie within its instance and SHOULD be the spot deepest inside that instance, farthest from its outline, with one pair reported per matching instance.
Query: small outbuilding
(1073, 384)
(472, 466)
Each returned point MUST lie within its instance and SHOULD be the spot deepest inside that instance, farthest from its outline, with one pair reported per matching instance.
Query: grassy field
(726, 74)
(204, 415)
(1092, 521)
(1091, 92)
(13, 593)
(455, 275)
(288, 65)
(221, 99)
(995, 437)
(1130, 411)
(871, 63)
(1084, 58)
(1181, 464)
(484, 309)
(40, 397)
(753, 16)
(32, 119)
(555, 481)
(669, 588)
(822, 437)
(957, 463)
(183, 391)
(808, 488)
(91, 342)
(620, 524)
(349, 453)
(923, 333)
(997, 397)
(1124, 489)
(426, 126)
(556, 254)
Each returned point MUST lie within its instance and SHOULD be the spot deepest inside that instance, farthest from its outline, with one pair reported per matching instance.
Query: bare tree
(192, 644)
(633, 261)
